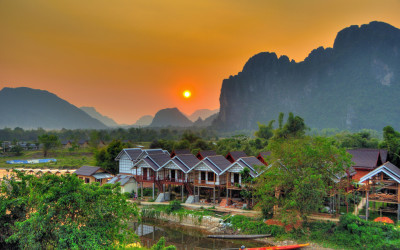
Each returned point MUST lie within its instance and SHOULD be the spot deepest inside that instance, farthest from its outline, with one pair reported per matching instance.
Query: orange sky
(130, 58)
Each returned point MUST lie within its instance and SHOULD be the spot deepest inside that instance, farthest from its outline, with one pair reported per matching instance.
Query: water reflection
(185, 237)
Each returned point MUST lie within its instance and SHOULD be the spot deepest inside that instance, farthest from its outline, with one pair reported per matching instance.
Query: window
(87, 180)
(210, 176)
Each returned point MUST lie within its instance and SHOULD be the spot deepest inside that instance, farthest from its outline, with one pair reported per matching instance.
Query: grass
(66, 159)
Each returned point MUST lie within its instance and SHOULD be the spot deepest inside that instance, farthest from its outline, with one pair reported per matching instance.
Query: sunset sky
(130, 58)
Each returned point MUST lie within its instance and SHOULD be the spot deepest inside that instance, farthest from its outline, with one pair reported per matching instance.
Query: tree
(17, 149)
(49, 142)
(391, 141)
(264, 131)
(64, 213)
(247, 186)
(105, 157)
(301, 174)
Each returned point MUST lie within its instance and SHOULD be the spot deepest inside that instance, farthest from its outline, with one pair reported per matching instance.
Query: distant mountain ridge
(202, 113)
(170, 117)
(32, 108)
(354, 85)
(96, 115)
(143, 121)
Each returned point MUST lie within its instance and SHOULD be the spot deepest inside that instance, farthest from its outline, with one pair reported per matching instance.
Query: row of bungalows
(206, 172)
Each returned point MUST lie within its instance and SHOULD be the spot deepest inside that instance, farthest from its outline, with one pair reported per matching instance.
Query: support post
(141, 187)
(182, 193)
(367, 206)
(153, 189)
(214, 194)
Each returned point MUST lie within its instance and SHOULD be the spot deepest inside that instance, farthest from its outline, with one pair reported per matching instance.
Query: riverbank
(350, 232)
(203, 218)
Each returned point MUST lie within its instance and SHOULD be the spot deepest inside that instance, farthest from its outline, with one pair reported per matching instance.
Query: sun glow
(186, 93)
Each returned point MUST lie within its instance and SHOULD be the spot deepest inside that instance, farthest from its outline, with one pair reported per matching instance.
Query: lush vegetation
(63, 212)
(350, 233)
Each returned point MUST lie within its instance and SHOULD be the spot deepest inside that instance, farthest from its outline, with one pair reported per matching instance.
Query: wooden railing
(141, 178)
(234, 185)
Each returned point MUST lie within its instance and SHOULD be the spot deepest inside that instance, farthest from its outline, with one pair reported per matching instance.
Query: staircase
(360, 206)
(188, 188)
(159, 186)
(192, 199)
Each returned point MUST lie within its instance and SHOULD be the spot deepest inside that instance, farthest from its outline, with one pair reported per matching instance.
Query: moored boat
(238, 236)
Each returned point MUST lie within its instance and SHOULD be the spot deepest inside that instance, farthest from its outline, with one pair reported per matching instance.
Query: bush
(174, 205)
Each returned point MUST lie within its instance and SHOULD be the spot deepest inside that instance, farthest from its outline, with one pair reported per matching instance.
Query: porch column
(153, 189)
(141, 186)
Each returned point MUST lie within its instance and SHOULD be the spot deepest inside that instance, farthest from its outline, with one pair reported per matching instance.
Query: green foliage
(391, 141)
(303, 172)
(161, 245)
(294, 127)
(17, 150)
(105, 157)
(264, 131)
(63, 212)
(48, 142)
(174, 205)
(250, 226)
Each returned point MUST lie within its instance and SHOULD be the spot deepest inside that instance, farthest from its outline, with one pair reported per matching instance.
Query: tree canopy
(48, 142)
(62, 212)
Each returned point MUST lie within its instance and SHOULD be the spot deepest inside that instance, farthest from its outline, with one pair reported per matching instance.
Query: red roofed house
(262, 155)
(235, 155)
(204, 153)
(366, 159)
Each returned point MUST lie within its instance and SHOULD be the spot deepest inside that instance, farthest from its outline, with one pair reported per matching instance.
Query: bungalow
(233, 176)
(128, 157)
(148, 166)
(262, 156)
(207, 174)
(235, 155)
(66, 144)
(127, 182)
(382, 185)
(205, 153)
(366, 159)
(177, 172)
(83, 143)
(180, 152)
(93, 174)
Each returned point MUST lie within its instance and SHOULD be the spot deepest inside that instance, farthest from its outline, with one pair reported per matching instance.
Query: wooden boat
(298, 246)
(238, 236)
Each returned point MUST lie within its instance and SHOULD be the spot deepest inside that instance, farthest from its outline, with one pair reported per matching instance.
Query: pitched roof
(364, 157)
(156, 161)
(133, 153)
(121, 178)
(205, 153)
(180, 152)
(384, 154)
(252, 162)
(236, 155)
(264, 154)
(388, 168)
(87, 170)
(218, 163)
(188, 160)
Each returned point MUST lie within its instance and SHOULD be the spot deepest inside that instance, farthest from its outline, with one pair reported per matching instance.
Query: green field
(66, 159)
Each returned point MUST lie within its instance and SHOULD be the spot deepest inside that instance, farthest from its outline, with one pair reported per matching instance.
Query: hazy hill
(96, 115)
(205, 123)
(354, 85)
(202, 113)
(170, 117)
(143, 121)
(33, 108)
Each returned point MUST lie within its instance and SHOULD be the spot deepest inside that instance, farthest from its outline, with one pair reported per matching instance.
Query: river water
(185, 238)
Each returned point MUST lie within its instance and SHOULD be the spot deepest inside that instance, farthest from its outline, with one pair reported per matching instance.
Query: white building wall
(125, 164)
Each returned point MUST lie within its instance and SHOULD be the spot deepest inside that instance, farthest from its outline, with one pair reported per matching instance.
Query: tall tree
(48, 142)
(301, 174)
(391, 141)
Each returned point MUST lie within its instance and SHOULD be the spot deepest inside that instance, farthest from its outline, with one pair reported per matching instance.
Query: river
(150, 231)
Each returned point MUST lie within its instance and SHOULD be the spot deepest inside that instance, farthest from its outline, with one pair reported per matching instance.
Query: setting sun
(187, 93)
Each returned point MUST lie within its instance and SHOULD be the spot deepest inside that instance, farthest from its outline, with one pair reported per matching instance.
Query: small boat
(238, 236)
(298, 246)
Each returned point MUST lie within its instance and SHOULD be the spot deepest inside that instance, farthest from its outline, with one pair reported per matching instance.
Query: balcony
(140, 178)
(205, 183)
(172, 180)
(234, 185)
